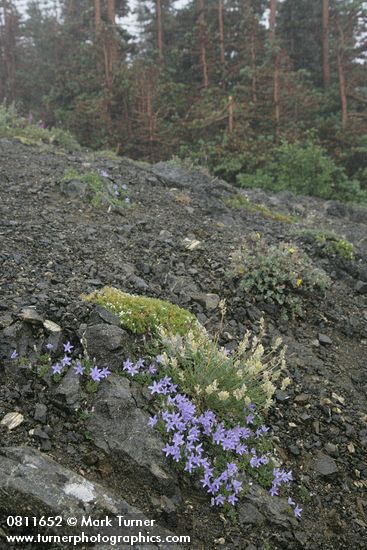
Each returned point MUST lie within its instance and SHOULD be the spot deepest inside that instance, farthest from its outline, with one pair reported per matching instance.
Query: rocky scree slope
(173, 242)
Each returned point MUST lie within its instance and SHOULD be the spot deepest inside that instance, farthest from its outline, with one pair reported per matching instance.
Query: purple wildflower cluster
(280, 477)
(119, 189)
(95, 373)
(187, 432)
(190, 433)
(297, 509)
(132, 369)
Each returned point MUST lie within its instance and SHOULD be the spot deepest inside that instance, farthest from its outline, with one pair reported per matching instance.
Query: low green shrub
(276, 274)
(221, 381)
(12, 125)
(304, 168)
(334, 246)
(328, 243)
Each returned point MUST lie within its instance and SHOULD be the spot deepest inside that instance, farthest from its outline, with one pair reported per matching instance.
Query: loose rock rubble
(173, 243)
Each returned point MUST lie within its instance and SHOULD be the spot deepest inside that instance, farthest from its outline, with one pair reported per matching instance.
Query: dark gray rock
(302, 399)
(121, 429)
(99, 314)
(274, 509)
(109, 345)
(361, 287)
(40, 413)
(67, 393)
(177, 176)
(19, 336)
(332, 449)
(294, 450)
(325, 465)
(249, 515)
(281, 396)
(325, 340)
(30, 315)
(32, 481)
(74, 188)
(209, 301)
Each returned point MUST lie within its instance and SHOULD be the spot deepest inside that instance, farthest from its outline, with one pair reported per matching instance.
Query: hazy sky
(130, 22)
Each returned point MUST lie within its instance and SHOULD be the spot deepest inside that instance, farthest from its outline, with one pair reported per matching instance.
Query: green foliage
(304, 494)
(304, 168)
(333, 246)
(108, 154)
(143, 315)
(16, 127)
(224, 382)
(242, 202)
(277, 274)
(259, 179)
(230, 164)
(329, 243)
(100, 188)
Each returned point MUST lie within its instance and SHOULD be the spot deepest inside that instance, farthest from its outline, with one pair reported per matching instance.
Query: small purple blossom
(105, 372)
(68, 347)
(79, 369)
(49, 346)
(250, 418)
(232, 469)
(66, 361)
(218, 500)
(14, 354)
(262, 430)
(297, 512)
(152, 369)
(130, 368)
(232, 499)
(96, 374)
(140, 363)
(57, 368)
(153, 421)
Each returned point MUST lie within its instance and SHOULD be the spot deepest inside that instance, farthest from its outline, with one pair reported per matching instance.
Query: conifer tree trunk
(341, 73)
(111, 11)
(250, 16)
(272, 18)
(230, 114)
(109, 44)
(325, 43)
(221, 33)
(277, 95)
(97, 16)
(159, 30)
(253, 67)
(276, 61)
(202, 39)
(9, 47)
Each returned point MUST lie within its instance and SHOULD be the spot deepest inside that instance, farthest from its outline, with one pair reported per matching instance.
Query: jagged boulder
(34, 485)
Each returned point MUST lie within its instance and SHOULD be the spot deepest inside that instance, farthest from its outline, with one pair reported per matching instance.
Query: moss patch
(242, 202)
(140, 314)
